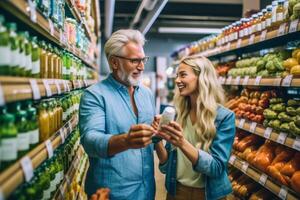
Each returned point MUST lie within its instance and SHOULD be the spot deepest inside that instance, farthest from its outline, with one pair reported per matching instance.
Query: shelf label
(286, 82)
(49, 148)
(257, 80)
(32, 11)
(237, 80)
(228, 80)
(232, 159)
(47, 87)
(251, 39)
(263, 179)
(27, 168)
(263, 35)
(294, 26)
(245, 167)
(62, 135)
(238, 44)
(281, 30)
(57, 86)
(35, 89)
(296, 144)
(268, 132)
(282, 193)
(51, 27)
(276, 82)
(245, 80)
(2, 99)
(282, 137)
(241, 123)
(253, 127)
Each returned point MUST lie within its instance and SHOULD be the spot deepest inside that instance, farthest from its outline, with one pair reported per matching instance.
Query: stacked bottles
(50, 174)
(25, 56)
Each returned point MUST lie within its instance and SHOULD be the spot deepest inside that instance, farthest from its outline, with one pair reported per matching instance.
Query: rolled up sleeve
(92, 125)
(213, 164)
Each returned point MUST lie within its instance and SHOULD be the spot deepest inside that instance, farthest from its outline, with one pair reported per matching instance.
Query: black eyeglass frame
(135, 61)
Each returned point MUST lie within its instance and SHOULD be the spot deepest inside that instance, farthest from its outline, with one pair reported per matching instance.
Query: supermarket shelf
(256, 42)
(19, 8)
(256, 175)
(16, 88)
(12, 177)
(76, 13)
(268, 133)
(295, 82)
(87, 164)
(61, 191)
(97, 18)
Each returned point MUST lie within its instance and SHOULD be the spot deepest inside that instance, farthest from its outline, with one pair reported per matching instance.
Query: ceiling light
(184, 30)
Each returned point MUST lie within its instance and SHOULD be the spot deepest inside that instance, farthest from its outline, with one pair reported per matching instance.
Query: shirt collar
(119, 85)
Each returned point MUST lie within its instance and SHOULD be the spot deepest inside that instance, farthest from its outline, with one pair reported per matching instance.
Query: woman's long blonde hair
(210, 95)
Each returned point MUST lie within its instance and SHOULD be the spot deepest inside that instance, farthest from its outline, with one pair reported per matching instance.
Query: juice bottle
(280, 13)
(4, 49)
(15, 58)
(259, 22)
(21, 71)
(269, 17)
(51, 117)
(23, 132)
(44, 122)
(44, 60)
(28, 55)
(263, 19)
(274, 12)
(35, 57)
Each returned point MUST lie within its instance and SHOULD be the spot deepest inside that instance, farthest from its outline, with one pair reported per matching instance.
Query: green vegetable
(285, 127)
(280, 107)
(270, 114)
(293, 102)
(283, 117)
(266, 123)
(278, 65)
(297, 120)
(295, 130)
(275, 124)
(270, 66)
(298, 111)
(291, 111)
(276, 100)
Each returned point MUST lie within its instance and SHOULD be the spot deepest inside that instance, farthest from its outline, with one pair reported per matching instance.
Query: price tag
(228, 80)
(245, 80)
(253, 127)
(294, 26)
(281, 138)
(35, 89)
(296, 144)
(2, 99)
(281, 30)
(27, 168)
(237, 80)
(61, 36)
(49, 148)
(232, 159)
(47, 87)
(268, 132)
(238, 44)
(241, 123)
(228, 46)
(263, 35)
(282, 193)
(57, 86)
(263, 179)
(51, 27)
(32, 11)
(245, 167)
(251, 39)
(286, 82)
(62, 135)
(257, 80)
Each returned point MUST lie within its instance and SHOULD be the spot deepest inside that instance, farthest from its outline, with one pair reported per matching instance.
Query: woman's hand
(173, 133)
(156, 121)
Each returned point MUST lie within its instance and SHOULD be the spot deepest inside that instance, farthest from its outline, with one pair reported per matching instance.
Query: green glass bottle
(28, 54)
(4, 48)
(15, 58)
(35, 57)
(23, 132)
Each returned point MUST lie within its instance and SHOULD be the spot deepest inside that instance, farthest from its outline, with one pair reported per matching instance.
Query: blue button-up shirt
(105, 110)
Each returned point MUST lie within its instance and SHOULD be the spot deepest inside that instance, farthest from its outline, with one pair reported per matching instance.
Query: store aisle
(160, 182)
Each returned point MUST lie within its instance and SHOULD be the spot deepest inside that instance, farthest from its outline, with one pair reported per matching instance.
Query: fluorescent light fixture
(184, 30)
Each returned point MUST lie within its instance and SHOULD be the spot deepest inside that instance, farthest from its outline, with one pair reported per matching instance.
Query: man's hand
(156, 121)
(139, 136)
(101, 194)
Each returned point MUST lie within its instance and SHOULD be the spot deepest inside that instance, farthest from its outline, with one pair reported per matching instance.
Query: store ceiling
(176, 13)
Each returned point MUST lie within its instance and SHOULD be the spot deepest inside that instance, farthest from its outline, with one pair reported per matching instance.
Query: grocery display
(43, 72)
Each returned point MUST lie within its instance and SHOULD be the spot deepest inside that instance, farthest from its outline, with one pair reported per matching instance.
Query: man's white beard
(128, 79)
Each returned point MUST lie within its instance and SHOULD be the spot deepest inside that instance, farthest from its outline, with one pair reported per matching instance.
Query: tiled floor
(160, 182)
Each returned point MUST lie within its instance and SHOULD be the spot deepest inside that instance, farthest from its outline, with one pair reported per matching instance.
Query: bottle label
(241, 33)
(9, 149)
(274, 15)
(279, 16)
(4, 55)
(259, 26)
(34, 136)
(23, 141)
(28, 63)
(35, 67)
(268, 22)
(15, 58)
(246, 32)
(263, 25)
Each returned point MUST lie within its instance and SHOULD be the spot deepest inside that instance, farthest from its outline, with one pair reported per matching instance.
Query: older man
(114, 122)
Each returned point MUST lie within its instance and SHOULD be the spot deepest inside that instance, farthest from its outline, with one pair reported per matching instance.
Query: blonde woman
(199, 142)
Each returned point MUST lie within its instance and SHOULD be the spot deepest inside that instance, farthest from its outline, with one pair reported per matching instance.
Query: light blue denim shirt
(105, 110)
(214, 164)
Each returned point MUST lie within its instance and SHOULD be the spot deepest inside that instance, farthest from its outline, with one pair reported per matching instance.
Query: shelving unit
(261, 178)
(268, 133)
(13, 176)
(20, 9)
(295, 82)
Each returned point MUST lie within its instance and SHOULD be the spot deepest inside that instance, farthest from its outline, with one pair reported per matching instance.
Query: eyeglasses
(135, 61)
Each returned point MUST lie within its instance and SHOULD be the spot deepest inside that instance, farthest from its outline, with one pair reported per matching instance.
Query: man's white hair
(119, 39)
